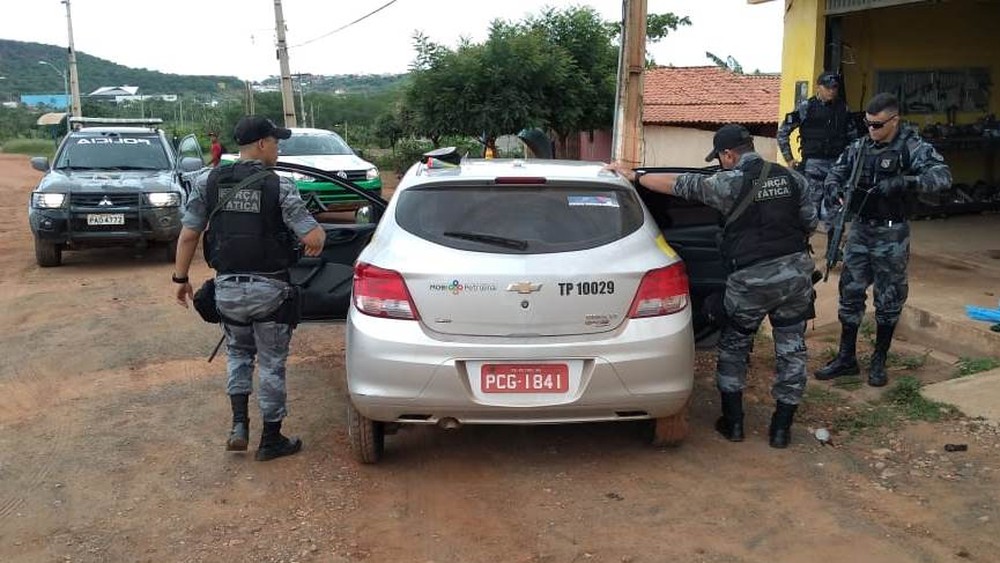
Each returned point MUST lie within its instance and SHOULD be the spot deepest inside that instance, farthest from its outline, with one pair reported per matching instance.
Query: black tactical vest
(823, 132)
(881, 163)
(771, 225)
(247, 234)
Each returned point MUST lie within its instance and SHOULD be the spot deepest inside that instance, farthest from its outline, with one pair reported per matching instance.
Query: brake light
(519, 180)
(382, 293)
(663, 291)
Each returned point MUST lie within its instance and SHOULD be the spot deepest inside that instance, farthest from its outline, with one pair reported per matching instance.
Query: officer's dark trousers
(780, 289)
(875, 255)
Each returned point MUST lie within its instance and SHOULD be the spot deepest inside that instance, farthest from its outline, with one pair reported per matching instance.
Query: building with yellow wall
(940, 57)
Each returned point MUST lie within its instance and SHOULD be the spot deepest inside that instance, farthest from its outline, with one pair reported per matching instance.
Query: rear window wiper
(516, 244)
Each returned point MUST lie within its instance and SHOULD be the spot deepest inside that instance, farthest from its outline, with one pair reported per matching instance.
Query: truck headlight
(47, 200)
(164, 199)
(371, 174)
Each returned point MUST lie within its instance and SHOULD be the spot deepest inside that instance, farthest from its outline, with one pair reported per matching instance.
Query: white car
(517, 292)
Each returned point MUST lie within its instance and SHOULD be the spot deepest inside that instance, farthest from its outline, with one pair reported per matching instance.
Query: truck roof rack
(120, 121)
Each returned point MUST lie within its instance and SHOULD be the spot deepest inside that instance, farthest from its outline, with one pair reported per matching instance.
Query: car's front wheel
(367, 436)
(670, 431)
(48, 254)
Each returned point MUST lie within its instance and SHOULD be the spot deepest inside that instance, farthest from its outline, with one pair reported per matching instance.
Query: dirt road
(111, 449)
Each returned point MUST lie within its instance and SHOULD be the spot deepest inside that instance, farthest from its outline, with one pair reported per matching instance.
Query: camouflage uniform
(243, 298)
(878, 245)
(779, 288)
(815, 167)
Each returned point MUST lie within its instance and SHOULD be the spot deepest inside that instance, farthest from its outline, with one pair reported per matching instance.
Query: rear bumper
(397, 371)
(63, 226)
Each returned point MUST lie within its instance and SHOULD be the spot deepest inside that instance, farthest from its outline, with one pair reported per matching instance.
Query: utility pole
(287, 96)
(302, 100)
(627, 136)
(74, 79)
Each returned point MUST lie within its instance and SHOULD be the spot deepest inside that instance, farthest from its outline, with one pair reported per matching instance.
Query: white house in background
(684, 106)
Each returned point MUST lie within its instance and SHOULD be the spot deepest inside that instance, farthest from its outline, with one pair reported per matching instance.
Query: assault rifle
(833, 254)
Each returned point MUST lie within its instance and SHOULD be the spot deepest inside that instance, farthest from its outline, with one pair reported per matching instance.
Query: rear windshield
(114, 151)
(520, 220)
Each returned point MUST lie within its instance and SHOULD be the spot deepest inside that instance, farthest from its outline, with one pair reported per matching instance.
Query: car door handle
(339, 236)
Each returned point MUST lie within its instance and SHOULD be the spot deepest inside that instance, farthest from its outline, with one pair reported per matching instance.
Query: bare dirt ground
(111, 449)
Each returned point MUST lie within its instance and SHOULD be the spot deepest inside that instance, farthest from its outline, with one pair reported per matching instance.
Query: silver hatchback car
(517, 292)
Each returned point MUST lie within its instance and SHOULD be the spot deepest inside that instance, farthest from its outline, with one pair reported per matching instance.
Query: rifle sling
(751, 195)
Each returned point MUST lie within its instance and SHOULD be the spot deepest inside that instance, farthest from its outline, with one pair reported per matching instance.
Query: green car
(327, 151)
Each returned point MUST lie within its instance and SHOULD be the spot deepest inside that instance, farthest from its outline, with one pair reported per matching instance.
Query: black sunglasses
(879, 124)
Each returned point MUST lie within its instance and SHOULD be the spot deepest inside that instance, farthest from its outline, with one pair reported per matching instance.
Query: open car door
(326, 281)
(694, 231)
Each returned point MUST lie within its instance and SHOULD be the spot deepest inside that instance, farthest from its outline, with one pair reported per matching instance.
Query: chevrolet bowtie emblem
(105, 201)
(524, 288)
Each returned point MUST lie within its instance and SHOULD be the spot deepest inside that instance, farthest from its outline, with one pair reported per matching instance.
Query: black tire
(367, 436)
(48, 254)
(671, 431)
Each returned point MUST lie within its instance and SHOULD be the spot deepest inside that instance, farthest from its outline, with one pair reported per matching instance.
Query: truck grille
(95, 199)
(352, 175)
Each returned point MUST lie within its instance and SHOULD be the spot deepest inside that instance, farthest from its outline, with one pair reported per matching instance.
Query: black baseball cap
(829, 79)
(728, 136)
(253, 128)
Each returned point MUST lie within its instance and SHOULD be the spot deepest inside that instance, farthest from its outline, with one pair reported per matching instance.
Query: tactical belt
(247, 277)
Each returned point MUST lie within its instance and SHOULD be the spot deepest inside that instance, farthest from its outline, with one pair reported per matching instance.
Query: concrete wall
(682, 146)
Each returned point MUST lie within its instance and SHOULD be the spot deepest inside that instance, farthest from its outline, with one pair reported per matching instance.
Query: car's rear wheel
(48, 254)
(671, 431)
(367, 436)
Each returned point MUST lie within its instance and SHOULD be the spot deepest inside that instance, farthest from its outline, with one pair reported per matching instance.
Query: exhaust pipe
(449, 423)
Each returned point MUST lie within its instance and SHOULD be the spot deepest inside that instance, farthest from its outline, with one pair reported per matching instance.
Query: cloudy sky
(236, 37)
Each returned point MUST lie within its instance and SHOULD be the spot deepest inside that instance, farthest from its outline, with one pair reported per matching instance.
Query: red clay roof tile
(709, 94)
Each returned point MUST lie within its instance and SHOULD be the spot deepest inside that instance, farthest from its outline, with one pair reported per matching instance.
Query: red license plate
(524, 378)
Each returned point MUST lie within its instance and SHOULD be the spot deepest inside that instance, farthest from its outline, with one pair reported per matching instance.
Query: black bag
(204, 302)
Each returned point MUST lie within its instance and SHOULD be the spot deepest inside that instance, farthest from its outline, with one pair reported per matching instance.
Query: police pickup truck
(113, 182)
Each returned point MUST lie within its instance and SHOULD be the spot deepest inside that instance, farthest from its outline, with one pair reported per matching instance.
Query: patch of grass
(907, 361)
(848, 383)
(822, 396)
(905, 396)
(870, 417)
(33, 147)
(969, 366)
(902, 401)
(868, 330)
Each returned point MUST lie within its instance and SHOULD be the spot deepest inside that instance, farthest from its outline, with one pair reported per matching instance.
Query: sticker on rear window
(610, 200)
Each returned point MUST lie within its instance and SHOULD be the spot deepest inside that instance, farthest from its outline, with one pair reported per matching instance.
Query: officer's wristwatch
(175, 279)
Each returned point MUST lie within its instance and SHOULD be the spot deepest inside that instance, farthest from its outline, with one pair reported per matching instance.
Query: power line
(343, 27)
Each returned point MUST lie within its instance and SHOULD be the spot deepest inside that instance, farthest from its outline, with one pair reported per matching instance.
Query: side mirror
(191, 164)
(40, 163)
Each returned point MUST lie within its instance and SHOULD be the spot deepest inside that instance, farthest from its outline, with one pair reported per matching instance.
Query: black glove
(892, 186)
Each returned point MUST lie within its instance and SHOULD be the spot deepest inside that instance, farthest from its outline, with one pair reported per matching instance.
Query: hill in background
(24, 75)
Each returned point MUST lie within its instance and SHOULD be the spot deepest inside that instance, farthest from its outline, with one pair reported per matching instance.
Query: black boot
(239, 436)
(877, 377)
(846, 362)
(730, 424)
(780, 432)
(273, 444)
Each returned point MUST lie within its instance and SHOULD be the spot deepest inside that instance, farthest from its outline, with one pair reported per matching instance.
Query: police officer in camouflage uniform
(251, 242)
(825, 129)
(769, 217)
(895, 163)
